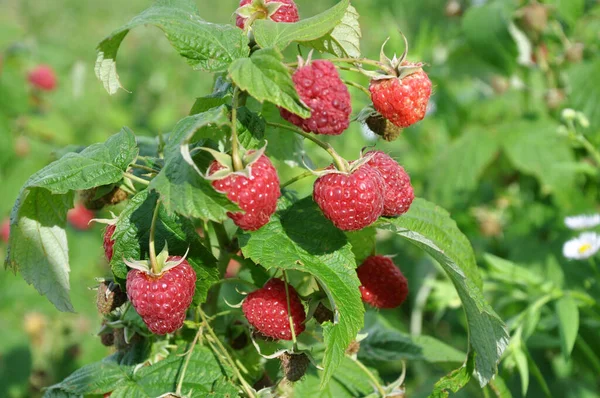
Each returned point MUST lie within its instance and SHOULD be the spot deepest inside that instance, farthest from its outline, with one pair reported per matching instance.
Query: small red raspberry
(399, 193)
(5, 230)
(287, 12)
(43, 78)
(403, 101)
(320, 87)
(256, 196)
(162, 301)
(266, 309)
(383, 284)
(80, 217)
(352, 201)
(108, 241)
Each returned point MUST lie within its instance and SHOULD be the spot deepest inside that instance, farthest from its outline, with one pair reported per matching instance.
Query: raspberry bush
(207, 194)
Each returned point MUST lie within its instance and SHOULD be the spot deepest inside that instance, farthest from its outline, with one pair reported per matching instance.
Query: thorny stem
(225, 354)
(235, 144)
(153, 263)
(188, 355)
(289, 308)
(353, 61)
(349, 69)
(358, 86)
(296, 179)
(371, 376)
(340, 162)
(136, 178)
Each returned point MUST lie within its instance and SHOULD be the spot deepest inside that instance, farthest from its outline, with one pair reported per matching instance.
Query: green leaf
(363, 243)
(569, 10)
(567, 314)
(132, 234)
(181, 188)
(583, 95)
(300, 238)
(221, 96)
(98, 164)
(266, 78)
(344, 39)
(204, 375)
(459, 168)
(38, 244)
(454, 381)
(251, 128)
(429, 227)
(487, 31)
(269, 34)
(283, 144)
(95, 378)
(206, 46)
(535, 148)
(348, 381)
(383, 345)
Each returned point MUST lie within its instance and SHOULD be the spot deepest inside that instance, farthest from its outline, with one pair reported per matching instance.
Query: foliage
(496, 151)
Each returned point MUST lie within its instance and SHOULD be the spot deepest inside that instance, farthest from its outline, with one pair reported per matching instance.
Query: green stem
(371, 376)
(349, 69)
(136, 178)
(589, 147)
(595, 268)
(145, 168)
(235, 144)
(247, 388)
(187, 361)
(340, 162)
(152, 248)
(296, 179)
(289, 308)
(358, 86)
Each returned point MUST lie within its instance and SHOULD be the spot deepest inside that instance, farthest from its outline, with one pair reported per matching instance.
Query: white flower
(583, 222)
(584, 246)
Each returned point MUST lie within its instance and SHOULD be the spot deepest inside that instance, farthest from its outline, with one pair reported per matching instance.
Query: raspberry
(320, 87)
(266, 309)
(109, 297)
(294, 366)
(403, 101)
(352, 201)
(287, 11)
(80, 217)
(399, 193)
(162, 301)
(383, 284)
(5, 230)
(108, 242)
(256, 196)
(43, 78)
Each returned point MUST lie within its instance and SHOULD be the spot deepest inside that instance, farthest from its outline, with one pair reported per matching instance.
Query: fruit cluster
(352, 195)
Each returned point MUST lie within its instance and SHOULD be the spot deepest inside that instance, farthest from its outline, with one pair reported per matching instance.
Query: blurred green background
(489, 151)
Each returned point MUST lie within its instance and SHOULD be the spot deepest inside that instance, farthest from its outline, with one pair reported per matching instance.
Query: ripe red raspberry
(108, 242)
(352, 201)
(266, 309)
(383, 284)
(399, 193)
(80, 217)
(287, 12)
(5, 230)
(43, 78)
(256, 196)
(403, 101)
(162, 301)
(320, 87)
